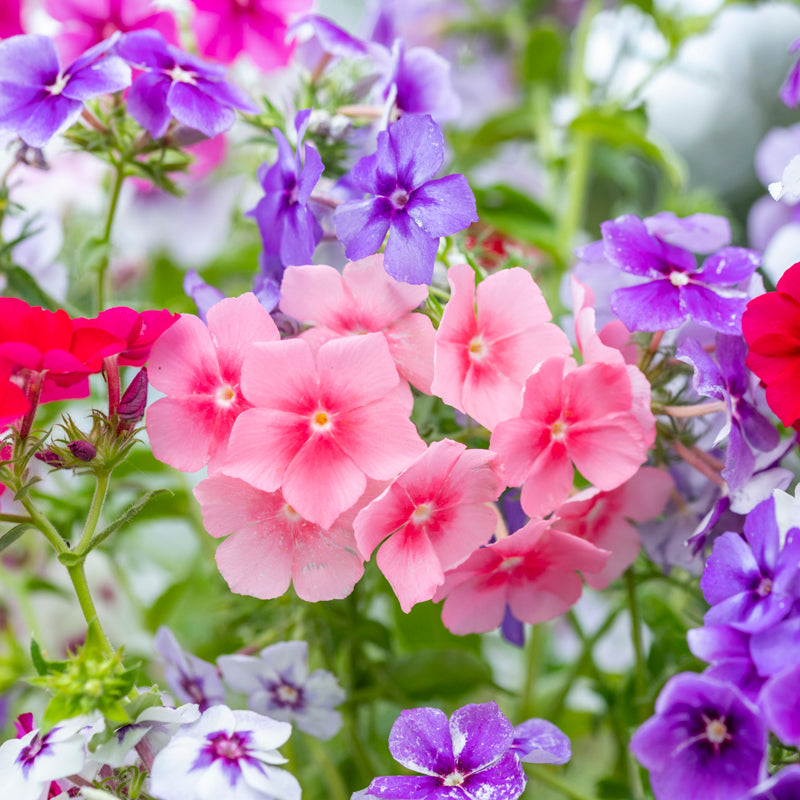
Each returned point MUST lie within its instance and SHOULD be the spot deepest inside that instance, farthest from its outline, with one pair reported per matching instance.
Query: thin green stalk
(636, 636)
(44, 525)
(81, 586)
(543, 775)
(333, 779)
(15, 518)
(537, 648)
(98, 499)
(119, 177)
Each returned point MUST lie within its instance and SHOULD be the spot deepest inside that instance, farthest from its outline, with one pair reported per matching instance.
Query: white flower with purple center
(278, 683)
(225, 754)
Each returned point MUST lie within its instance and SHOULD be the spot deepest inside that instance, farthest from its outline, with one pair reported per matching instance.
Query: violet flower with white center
(705, 742)
(177, 84)
(405, 201)
(751, 583)
(39, 99)
(467, 757)
(191, 679)
(279, 685)
(288, 228)
(537, 741)
(225, 754)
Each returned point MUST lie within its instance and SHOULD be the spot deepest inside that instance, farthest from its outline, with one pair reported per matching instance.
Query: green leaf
(11, 536)
(39, 662)
(439, 673)
(126, 517)
(542, 57)
(23, 285)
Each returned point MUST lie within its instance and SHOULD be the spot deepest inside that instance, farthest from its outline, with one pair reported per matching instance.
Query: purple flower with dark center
(752, 582)
(279, 685)
(537, 741)
(288, 228)
(39, 99)
(405, 202)
(705, 742)
(177, 84)
(228, 754)
(790, 91)
(675, 289)
(467, 757)
(784, 785)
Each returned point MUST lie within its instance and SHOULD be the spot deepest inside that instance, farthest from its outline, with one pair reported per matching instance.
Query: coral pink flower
(363, 299)
(604, 518)
(271, 544)
(432, 517)
(489, 340)
(199, 369)
(532, 572)
(225, 28)
(323, 423)
(570, 415)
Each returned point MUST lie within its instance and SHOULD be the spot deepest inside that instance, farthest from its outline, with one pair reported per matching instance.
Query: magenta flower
(10, 24)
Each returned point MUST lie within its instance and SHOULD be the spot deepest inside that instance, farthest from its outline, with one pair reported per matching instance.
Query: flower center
(422, 513)
(321, 421)
(717, 732)
(58, 85)
(478, 349)
(454, 779)
(398, 198)
(287, 695)
(291, 514)
(225, 396)
(764, 587)
(28, 754)
(558, 431)
(511, 563)
(230, 747)
(180, 75)
(678, 278)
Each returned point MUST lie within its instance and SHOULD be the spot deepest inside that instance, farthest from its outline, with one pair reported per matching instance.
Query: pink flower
(10, 24)
(434, 515)
(604, 518)
(323, 423)
(489, 340)
(571, 416)
(225, 28)
(271, 544)
(363, 299)
(532, 572)
(199, 369)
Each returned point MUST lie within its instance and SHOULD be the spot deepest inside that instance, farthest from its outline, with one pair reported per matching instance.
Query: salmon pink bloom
(199, 369)
(578, 417)
(324, 423)
(432, 517)
(489, 340)
(532, 572)
(364, 298)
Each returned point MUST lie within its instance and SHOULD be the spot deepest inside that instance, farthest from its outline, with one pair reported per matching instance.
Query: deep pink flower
(431, 517)
(324, 422)
(363, 299)
(489, 340)
(10, 24)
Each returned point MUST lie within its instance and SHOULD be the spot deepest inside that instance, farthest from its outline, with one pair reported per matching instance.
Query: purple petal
(424, 85)
(29, 60)
(700, 233)
(309, 175)
(54, 114)
(758, 430)
(538, 741)
(739, 460)
(707, 307)
(713, 643)
(512, 630)
(781, 703)
(749, 611)
(374, 176)
(763, 534)
(408, 787)
(332, 38)
(628, 244)
(420, 740)
(17, 103)
(205, 69)
(785, 577)
(268, 214)
(145, 49)
(203, 294)
(504, 780)
(731, 352)
(775, 648)
(444, 206)
(361, 225)
(651, 306)
(729, 265)
(108, 75)
(226, 94)
(410, 252)
(299, 236)
(731, 569)
(197, 110)
(707, 379)
(147, 103)
(418, 145)
(481, 733)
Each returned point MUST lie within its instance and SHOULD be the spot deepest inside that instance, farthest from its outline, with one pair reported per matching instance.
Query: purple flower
(38, 99)
(405, 201)
(278, 684)
(785, 785)
(675, 288)
(777, 646)
(780, 700)
(178, 84)
(752, 582)
(705, 742)
(289, 230)
(468, 757)
(790, 91)
(537, 741)
(226, 754)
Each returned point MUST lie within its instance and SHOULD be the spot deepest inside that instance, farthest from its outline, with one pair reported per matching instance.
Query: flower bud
(50, 458)
(82, 450)
(131, 407)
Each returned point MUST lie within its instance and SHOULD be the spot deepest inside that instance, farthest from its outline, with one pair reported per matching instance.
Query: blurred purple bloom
(278, 684)
(784, 785)
(178, 84)
(780, 700)
(537, 741)
(38, 99)
(705, 742)
(467, 757)
(512, 629)
(790, 91)
(204, 294)
(405, 202)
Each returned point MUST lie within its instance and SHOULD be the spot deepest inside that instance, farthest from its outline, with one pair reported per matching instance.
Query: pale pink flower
(362, 299)
(324, 423)
(431, 517)
(489, 340)
(199, 369)
(532, 572)
(271, 545)
(572, 417)
(604, 518)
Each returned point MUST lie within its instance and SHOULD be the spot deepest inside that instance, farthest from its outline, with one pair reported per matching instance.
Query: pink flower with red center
(432, 517)
(489, 340)
(270, 545)
(533, 572)
(323, 424)
(362, 299)
(572, 417)
(199, 369)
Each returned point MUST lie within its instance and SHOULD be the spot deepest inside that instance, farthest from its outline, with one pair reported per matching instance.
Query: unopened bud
(131, 407)
(50, 458)
(82, 450)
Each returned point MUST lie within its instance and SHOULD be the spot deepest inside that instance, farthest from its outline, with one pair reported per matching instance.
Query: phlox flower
(489, 341)
(579, 416)
(783, 785)
(532, 571)
(780, 700)
(790, 91)
(431, 517)
(537, 741)
(363, 298)
(323, 424)
(270, 544)
(199, 369)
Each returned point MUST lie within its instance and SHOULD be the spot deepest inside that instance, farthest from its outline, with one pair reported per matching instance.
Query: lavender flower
(790, 91)
(785, 785)
(39, 99)
(405, 201)
(278, 684)
(537, 741)
(705, 742)
(178, 84)
(468, 757)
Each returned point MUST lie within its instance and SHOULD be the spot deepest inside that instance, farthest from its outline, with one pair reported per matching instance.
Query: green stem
(98, 499)
(81, 586)
(545, 776)
(15, 518)
(636, 636)
(335, 785)
(119, 177)
(45, 526)
(537, 647)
